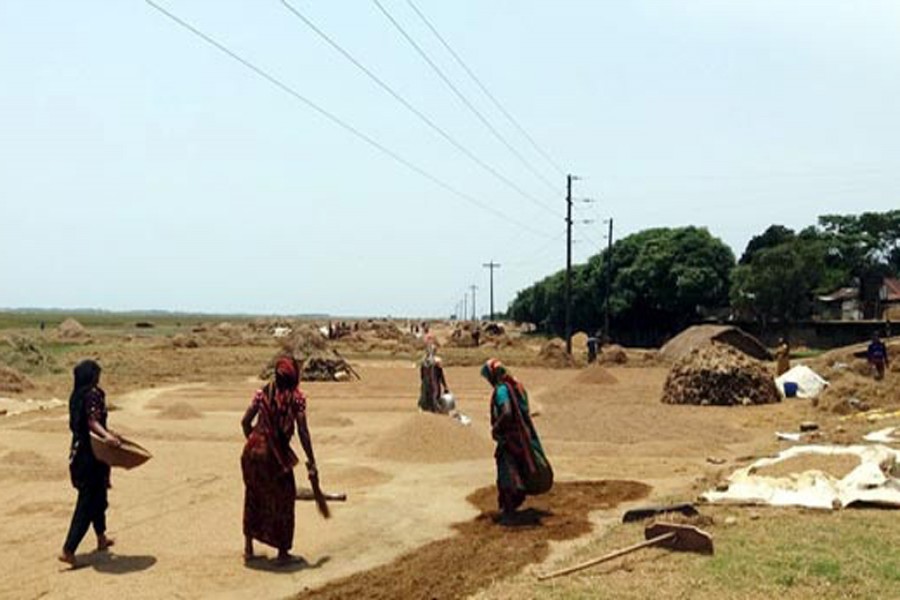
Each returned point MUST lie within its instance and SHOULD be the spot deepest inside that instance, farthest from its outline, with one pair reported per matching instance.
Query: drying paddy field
(418, 519)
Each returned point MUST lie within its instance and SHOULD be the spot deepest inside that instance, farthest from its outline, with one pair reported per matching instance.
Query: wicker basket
(128, 456)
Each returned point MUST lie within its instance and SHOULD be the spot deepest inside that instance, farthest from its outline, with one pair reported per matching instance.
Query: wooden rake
(677, 537)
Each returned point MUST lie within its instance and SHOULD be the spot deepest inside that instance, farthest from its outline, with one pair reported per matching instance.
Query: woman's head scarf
(496, 373)
(86, 377)
(287, 373)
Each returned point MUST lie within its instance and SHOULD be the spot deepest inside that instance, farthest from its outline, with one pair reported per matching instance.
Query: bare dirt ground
(410, 479)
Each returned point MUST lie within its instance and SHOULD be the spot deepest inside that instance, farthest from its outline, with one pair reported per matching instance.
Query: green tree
(661, 279)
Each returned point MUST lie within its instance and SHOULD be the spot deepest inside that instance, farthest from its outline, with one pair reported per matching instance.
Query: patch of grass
(786, 554)
(805, 354)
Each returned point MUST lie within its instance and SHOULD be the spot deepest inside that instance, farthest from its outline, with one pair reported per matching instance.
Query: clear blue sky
(142, 168)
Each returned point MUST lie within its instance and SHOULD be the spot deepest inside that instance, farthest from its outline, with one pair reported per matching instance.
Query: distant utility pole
(492, 265)
(473, 288)
(465, 312)
(569, 179)
(609, 242)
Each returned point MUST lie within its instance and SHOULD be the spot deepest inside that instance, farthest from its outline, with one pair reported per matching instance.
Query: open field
(417, 522)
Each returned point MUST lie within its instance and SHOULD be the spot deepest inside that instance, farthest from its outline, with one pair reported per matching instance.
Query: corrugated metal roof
(892, 287)
(846, 293)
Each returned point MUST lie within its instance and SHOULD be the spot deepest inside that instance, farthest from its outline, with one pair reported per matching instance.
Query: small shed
(840, 305)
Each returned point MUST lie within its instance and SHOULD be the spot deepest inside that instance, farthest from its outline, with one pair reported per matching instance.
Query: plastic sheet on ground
(809, 383)
(874, 482)
(884, 436)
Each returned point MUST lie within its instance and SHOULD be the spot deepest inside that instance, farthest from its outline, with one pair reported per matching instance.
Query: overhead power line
(410, 107)
(484, 89)
(340, 122)
(462, 97)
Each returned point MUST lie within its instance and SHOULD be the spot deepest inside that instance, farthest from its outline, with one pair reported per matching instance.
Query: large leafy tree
(781, 272)
(661, 279)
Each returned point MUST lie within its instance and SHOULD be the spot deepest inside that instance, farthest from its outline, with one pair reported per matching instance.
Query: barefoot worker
(431, 372)
(268, 461)
(522, 466)
(87, 413)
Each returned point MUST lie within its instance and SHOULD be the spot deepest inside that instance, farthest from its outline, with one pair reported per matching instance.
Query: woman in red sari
(268, 461)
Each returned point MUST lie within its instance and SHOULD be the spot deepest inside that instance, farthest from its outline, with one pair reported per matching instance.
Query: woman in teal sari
(522, 466)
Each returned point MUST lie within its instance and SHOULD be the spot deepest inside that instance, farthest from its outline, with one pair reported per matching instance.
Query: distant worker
(593, 343)
(476, 336)
(434, 384)
(783, 356)
(90, 476)
(429, 338)
(877, 355)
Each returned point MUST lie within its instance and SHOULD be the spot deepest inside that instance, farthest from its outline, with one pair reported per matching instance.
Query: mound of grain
(304, 341)
(72, 329)
(553, 354)
(180, 340)
(595, 374)
(429, 438)
(179, 411)
(838, 466)
(13, 382)
(720, 375)
(613, 354)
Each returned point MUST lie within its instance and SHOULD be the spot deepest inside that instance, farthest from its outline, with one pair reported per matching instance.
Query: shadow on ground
(273, 565)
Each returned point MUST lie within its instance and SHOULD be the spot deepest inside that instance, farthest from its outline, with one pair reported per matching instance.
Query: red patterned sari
(267, 463)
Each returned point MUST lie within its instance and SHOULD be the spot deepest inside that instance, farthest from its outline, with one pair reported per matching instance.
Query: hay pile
(23, 354)
(700, 336)
(327, 368)
(579, 341)
(612, 354)
(553, 354)
(718, 374)
(316, 365)
(503, 342)
(461, 337)
(185, 341)
(304, 342)
(385, 330)
(71, 329)
(13, 382)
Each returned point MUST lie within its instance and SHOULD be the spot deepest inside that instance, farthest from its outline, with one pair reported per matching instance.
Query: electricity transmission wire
(462, 97)
(532, 257)
(341, 123)
(410, 107)
(484, 89)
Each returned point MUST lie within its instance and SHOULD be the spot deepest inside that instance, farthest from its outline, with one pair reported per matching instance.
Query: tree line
(664, 279)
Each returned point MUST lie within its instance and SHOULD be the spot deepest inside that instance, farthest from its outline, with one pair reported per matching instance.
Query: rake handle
(610, 556)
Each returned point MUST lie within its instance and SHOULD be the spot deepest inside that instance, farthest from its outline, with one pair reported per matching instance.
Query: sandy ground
(177, 520)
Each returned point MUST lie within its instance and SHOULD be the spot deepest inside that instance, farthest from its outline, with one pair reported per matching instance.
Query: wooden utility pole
(492, 265)
(474, 314)
(569, 179)
(465, 312)
(609, 242)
